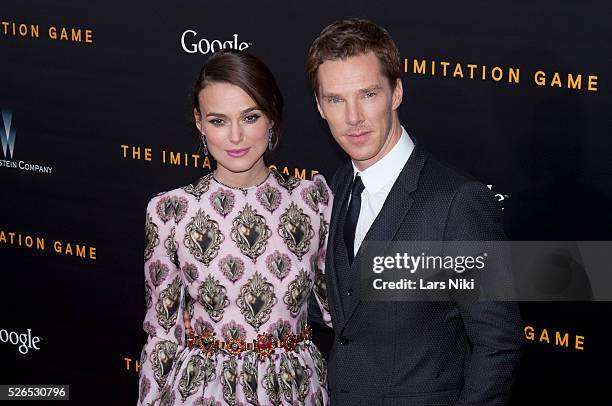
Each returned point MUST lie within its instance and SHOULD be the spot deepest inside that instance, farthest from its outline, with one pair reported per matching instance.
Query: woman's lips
(237, 153)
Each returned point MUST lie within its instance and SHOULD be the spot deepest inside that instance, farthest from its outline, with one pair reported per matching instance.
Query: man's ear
(319, 107)
(398, 94)
(198, 119)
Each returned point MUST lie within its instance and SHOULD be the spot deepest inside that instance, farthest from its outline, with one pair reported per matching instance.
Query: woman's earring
(204, 145)
(270, 134)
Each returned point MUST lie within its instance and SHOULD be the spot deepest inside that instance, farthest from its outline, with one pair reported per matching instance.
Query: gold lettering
(592, 83)
(127, 362)
(544, 336)
(75, 35)
(175, 159)
(561, 341)
(300, 175)
(444, 64)
(80, 251)
(23, 30)
(135, 152)
(556, 80)
(206, 163)
(420, 68)
(514, 75)
(458, 71)
(574, 83)
(471, 66)
(500, 74)
(147, 154)
(540, 78)
(579, 343)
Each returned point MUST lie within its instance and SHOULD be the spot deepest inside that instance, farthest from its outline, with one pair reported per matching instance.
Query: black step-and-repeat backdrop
(96, 119)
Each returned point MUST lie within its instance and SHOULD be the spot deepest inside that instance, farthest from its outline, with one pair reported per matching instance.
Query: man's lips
(357, 134)
(237, 152)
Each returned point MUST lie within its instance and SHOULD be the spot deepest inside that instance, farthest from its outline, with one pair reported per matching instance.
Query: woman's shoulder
(315, 192)
(181, 195)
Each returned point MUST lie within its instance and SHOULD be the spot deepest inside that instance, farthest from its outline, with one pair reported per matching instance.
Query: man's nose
(354, 114)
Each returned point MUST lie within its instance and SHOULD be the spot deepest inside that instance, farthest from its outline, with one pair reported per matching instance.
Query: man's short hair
(353, 37)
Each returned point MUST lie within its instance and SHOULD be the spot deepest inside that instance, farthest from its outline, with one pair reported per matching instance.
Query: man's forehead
(353, 73)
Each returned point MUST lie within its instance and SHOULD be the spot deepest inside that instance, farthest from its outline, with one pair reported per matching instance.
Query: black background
(545, 150)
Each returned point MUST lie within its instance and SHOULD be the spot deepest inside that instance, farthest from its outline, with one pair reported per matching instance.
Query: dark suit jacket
(419, 353)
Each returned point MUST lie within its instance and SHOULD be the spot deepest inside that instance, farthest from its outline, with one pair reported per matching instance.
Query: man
(401, 352)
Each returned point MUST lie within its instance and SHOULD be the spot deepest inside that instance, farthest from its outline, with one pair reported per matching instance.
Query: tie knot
(357, 186)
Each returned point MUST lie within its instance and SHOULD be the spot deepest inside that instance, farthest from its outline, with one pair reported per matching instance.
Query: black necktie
(352, 215)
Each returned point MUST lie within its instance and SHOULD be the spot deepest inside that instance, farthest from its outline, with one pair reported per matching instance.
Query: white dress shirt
(378, 180)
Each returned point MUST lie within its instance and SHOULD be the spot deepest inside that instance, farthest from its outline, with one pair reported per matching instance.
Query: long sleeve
(494, 327)
(319, 296)
(164, 301)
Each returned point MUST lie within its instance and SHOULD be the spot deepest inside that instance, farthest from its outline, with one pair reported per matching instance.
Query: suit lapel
(338, 260)
(396, 207)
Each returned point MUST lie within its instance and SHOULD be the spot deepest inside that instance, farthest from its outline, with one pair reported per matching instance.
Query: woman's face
(236, 130)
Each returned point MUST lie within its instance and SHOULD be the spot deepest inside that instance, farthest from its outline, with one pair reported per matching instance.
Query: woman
(238, 251)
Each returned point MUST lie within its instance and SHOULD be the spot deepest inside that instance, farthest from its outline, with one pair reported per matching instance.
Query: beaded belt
(263, 345)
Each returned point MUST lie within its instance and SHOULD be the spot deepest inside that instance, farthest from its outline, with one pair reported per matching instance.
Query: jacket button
(343, 340)
(349, 292)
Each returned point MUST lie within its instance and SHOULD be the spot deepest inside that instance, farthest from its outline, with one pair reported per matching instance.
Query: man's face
(360, 106)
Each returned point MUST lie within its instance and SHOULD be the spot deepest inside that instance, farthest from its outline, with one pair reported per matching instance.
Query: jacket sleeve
(318, 306)
(494, 327)
(164, 295)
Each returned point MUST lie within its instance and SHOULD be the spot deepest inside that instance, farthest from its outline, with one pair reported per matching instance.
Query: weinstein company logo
(192, 44)
(8, 135)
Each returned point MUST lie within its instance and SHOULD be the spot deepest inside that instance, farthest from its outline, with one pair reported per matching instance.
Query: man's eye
(334, 99)
(216, 122)
(370, 94)
(252, 118)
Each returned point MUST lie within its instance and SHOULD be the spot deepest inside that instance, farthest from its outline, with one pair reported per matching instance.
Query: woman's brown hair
(246, 71)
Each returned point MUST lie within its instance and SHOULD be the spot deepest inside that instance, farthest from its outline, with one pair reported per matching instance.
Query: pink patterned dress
(242, 262)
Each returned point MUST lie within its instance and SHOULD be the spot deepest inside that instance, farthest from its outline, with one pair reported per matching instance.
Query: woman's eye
(216, 122)
(252, 118)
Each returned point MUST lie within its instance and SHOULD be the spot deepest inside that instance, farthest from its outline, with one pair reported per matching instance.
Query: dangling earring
(204, 145)
(270, 134)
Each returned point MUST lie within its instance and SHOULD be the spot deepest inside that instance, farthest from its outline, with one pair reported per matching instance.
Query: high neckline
(243, 188)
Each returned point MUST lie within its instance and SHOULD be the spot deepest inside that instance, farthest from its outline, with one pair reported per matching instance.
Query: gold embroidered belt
(264, 345)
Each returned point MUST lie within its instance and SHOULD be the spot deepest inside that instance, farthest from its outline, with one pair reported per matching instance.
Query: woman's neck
(251, 177)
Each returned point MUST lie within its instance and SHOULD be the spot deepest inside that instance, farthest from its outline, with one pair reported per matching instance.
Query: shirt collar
(389, 167)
